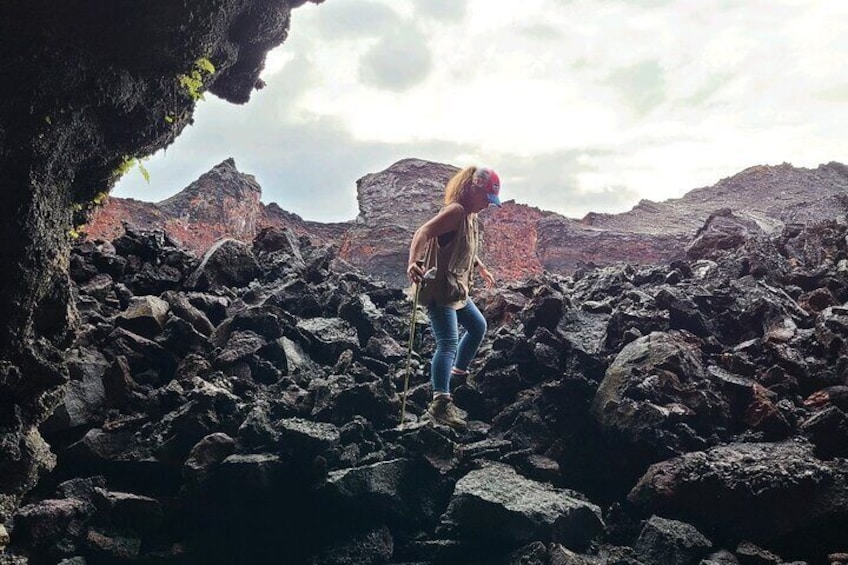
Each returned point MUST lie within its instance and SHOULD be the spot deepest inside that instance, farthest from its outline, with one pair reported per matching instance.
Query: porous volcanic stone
(496, 502)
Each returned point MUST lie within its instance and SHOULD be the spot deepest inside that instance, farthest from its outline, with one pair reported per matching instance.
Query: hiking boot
(443, 411)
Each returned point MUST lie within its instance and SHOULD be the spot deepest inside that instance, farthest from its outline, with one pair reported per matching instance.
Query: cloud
(642, 86)
(541, 31)
(580, 106)
(354, 18)
(398, 62)
(836, 93)
(443, 10)
(554, 182)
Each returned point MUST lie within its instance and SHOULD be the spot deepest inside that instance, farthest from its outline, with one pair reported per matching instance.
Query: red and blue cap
(490, 182)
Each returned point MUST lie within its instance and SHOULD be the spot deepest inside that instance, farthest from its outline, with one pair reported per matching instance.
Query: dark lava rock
(206, 454)
(227, 263)
(721, 557)
(723, 230)
(498, 504)
(128, 511)
(52, 527)
(328, 338)
(371, 548)
(306, 438)
(744, 488)
(656, 398)
(670, 542)
(145, 316)
(828, 431)
(399, 491)
(181, 306)
(85, 397)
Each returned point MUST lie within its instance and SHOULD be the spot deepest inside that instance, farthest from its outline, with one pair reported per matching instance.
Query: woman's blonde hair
(459, 188)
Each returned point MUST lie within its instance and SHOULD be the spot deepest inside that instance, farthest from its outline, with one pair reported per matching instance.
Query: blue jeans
(450, 350)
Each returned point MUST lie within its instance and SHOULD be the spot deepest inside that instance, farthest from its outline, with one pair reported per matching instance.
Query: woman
(448, 243)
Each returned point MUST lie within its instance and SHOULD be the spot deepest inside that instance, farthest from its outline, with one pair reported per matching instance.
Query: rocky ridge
(520, 241)
(692, 412)
(221, 203)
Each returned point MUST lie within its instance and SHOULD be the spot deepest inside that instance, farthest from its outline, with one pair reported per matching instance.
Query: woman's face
(479, 200)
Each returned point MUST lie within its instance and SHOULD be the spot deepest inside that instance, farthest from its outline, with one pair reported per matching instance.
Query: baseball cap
(491, 183)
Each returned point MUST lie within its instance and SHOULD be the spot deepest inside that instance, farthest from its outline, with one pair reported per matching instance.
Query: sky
(579, 105)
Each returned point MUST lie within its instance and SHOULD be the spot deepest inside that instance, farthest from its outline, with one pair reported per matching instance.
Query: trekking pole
(429, 275)
(416, 288)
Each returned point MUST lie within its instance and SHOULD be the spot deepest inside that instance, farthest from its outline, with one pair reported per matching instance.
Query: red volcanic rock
(107, 222)
(564, 245)
(392, 204)
(222, 203)
(406, 195)
(510, 239)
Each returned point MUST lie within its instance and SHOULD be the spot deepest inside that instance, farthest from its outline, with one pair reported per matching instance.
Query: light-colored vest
(454, 261)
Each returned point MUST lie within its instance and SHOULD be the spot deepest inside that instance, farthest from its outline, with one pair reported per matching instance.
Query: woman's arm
(484, 272)
(446, 220)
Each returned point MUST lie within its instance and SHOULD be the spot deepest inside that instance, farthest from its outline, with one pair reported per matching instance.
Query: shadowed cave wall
(85, 87)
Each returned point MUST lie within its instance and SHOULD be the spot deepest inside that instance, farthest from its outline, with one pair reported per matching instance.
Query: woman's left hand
(487, 277)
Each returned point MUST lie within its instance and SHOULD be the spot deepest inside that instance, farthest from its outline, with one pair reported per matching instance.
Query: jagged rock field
(244, 408)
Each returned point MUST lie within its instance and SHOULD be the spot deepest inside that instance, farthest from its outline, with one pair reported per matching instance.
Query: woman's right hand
(415, 273)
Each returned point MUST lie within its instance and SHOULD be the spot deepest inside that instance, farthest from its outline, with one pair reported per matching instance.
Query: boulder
(670, 542)
(181, 306)
(398, 491)
(228, 263)
(535, 553)
(98, 446)
(248, 473)
(145, 316)
(497, 503)
(544, 310)
(206, 454)
(305, 438)
(278, 248)
(339, 398)
(828, 431)
(112, 546)
(752, 554)
(722, 231)
(85, 397)
(655, 397)
(213, 306)
(559, 555)
(832, 329)
(128, 511)
(240, 345)
(182, 339)
(721, 557)
(53, 526)
(153, 262)
(360, 312)
(149, 362)
(328, 338)
(296, 361)
(80, 488)
(745, 489)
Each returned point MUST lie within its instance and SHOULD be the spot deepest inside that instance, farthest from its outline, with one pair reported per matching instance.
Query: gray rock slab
(497, 502)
